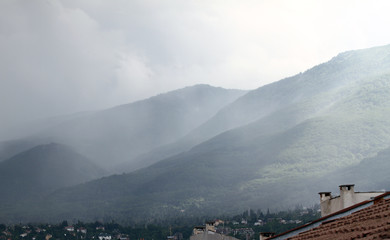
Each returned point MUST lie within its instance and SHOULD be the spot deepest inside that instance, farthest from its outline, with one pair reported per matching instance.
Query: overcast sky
(59, 57)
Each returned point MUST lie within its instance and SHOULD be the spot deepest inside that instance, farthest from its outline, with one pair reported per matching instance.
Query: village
(247, 225)
(349, 215)
(333, 212)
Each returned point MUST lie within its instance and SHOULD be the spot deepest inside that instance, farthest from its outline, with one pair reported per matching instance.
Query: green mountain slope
(43, 169)
(304, 96)
(284, 139)
(371, 174)
(344, 69)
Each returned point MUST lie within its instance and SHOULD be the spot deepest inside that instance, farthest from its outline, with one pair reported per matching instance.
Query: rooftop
(368, 219)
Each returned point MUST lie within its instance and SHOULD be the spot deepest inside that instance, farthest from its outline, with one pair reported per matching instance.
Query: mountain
(40, 170)
(12, 147)
(371, 174)
(288, 101)
(274, 147)
(120, 134)
(20, 134)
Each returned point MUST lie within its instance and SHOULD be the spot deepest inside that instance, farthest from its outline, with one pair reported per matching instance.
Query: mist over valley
(197, 120)
(207, 151)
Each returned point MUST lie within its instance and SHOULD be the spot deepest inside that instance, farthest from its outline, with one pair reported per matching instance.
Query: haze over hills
(122, 133)
(43, 169)
(370, 174)
(288, 101)
(283, 139)
(280, 140)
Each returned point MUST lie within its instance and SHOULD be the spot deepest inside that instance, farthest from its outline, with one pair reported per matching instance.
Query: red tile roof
(372, 222)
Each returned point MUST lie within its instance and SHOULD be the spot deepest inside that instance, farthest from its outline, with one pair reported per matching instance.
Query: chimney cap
(326, 193)
(347, 185)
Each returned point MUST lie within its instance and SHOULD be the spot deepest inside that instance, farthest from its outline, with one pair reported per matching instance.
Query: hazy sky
(59, 57)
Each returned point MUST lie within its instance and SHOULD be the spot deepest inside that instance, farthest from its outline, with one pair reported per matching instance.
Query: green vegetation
(82, 230)
(277, 146)
(249, 222)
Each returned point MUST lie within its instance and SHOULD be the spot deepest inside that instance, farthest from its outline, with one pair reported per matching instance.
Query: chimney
(266, 235)
(347, 194)
(325, 203)
(325, 196)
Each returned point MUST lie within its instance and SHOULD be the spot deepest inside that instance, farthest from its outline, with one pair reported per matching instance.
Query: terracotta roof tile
(372, 222)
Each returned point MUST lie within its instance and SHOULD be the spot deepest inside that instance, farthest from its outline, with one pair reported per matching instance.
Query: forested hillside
(273, 148)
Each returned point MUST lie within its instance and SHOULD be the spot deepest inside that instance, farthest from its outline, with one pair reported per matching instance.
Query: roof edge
(322, 219)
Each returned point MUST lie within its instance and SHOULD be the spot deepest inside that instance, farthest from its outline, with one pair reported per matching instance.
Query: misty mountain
(271, 148)
(20, 140)
(337, 74)
(122, 133)
(371, 174)
(288, 101)
(12, 147)
(42, 169)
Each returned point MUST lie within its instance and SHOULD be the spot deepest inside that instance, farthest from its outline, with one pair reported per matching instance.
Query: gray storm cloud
(60, 57)
(58, 60)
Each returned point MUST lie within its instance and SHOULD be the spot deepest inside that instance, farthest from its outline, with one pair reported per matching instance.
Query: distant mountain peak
(44, 168)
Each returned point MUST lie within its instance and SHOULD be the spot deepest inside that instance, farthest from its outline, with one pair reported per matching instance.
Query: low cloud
(59, 57)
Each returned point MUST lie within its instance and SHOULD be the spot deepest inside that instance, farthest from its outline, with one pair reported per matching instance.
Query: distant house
(218, 222)
(259, 223)
(176, 236)
(7, 233)
(104, 236)
(244, 231)
(367, 219)
(69, 228)
(209, 232)
(82, 230)
(123, 237)
(198, 230)
(23, 235)
(210, 226)
(282, 221)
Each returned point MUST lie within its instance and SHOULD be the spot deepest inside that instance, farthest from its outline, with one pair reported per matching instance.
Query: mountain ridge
(121, 133)
(42, 169)
(274, 97)
(328, 118)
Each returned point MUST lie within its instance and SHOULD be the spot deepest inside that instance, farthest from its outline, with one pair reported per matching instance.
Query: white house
(104, 236)
(348, 197)
(69, 228)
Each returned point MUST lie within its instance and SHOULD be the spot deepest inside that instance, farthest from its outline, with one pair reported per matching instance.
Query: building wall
(348, 197)
(360, 197)
(214, 236)
(330, 206)
(210, 227)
